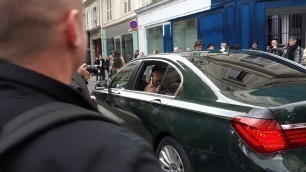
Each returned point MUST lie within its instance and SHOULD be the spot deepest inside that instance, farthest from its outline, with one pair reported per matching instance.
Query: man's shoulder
(111, 130)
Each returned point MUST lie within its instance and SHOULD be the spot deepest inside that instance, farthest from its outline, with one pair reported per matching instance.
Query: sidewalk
(93, 77)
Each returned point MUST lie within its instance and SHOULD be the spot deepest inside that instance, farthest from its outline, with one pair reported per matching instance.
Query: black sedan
(240, 110)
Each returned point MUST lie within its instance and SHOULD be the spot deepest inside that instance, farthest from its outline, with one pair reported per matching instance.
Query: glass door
(118, 43)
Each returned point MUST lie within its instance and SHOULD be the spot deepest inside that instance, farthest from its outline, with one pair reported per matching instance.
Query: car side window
(150, 76)
(171, 82)
(122, 78)
(145, 77)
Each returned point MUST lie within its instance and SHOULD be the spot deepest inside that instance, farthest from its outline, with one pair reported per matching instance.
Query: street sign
(133, 24)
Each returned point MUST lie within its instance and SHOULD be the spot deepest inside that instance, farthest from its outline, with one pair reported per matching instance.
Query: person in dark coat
(97, 64)
(293, 51)
(136, 54)
(254, 46)
(79, 83)
(53, 33)
(274, 48)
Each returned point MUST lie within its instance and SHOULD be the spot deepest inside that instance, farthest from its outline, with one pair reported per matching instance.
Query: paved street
(92, 82)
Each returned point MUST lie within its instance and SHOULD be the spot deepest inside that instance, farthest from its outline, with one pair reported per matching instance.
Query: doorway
(118, 43)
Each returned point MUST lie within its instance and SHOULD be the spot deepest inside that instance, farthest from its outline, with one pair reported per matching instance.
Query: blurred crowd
(291, 50)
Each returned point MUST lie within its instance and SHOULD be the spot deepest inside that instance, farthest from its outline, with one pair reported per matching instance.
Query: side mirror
(101, 85)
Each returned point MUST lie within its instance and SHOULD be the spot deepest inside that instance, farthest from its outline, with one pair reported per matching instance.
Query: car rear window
(248, 70)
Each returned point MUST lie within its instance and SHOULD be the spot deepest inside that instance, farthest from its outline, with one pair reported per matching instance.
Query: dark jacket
(278, 51)
(97, 62)
(79, 84)
(77, 146)
(294, 53)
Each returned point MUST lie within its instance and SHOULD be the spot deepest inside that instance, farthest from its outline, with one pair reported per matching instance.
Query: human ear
(72, 28)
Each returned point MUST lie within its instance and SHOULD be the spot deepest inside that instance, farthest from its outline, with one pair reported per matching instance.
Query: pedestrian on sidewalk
(198, 45)
(118, 63)
(274, 48)
(97, 65)
(293, 51)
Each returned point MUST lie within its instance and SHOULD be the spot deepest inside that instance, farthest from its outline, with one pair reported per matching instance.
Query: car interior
(169, 84)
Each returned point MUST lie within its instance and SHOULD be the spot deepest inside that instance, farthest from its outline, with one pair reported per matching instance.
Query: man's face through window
(155, 80)
(292, 42)
(274, 43)
(157, 76)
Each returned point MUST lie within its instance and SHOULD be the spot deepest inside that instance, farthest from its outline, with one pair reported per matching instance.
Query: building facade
(169, 23)
(117, 33)
(157, 31)
(92, 21)
(164, 24)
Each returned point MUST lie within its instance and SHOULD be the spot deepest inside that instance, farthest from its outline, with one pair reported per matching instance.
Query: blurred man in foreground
(42, 44)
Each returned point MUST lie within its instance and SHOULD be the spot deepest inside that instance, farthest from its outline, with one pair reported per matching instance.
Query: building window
(109, 10)
(143, 3)
(127, 47)
(185, 33)
(95, 17)
(110, 43)
(155, 39)
(282, 23)
(84, 17)
(127, 6)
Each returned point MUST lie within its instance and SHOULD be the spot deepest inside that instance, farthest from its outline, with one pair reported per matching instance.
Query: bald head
(29, 27)
(46, 36)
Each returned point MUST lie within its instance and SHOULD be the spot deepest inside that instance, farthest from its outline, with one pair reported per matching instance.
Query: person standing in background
(222, 46)
(106, 66)
(176, 49)
(111, 65)
(210, 46)
(274, 49)
(293, 51)
(118, 62)
(102, 68)
(254, 46)
(198, 45)
(141, 54)
(303, 61)
(136, 54)
(155, 52)
(97, 64)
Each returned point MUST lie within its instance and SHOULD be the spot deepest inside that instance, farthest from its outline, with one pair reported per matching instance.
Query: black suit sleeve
(144, 155)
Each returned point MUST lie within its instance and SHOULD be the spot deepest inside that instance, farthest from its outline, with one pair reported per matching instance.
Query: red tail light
(296, 136)
(263, 135)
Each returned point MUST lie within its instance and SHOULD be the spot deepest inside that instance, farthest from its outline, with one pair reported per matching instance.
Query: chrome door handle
(115, 93)
(155, 102)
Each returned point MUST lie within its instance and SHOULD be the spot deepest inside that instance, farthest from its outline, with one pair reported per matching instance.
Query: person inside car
(155, 79)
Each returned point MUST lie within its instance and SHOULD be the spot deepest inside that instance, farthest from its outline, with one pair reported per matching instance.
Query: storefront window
(155, 39)
(110, 43)
(185, 33)
(127, 47)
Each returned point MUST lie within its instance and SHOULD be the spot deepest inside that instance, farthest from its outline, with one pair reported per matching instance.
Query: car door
(108, 99)
(146, 107)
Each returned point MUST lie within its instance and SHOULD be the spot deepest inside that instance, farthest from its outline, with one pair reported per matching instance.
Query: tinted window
(122, 78)
(167, 83)
(243, 71)
(171, 82)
